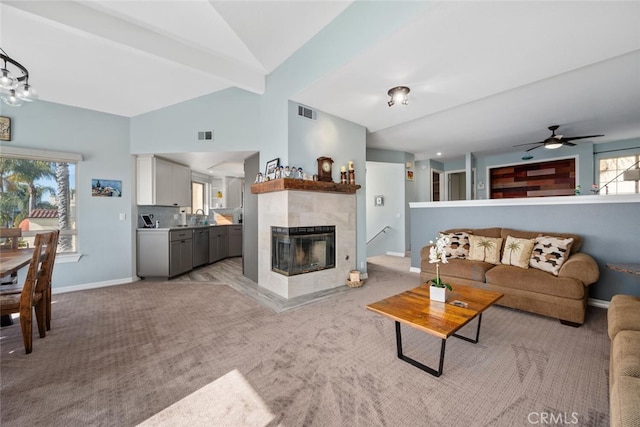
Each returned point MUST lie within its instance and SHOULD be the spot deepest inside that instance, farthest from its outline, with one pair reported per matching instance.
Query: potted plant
(437, 254)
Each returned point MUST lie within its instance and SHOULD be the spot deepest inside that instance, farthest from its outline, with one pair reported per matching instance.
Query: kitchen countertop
(186, 227)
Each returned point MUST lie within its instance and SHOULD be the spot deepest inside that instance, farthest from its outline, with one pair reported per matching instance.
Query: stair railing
(384, 230)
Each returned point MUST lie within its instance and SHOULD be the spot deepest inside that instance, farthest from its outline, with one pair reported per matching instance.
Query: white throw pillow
(549, 253)
(458, 246)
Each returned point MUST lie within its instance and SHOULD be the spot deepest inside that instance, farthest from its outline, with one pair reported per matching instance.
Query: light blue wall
(411, 188)
(233, 115)
(384, 179)
(102, 139)
(610, 232)
(343, 141)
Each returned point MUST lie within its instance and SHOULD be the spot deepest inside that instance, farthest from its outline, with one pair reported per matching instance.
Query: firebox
(298, 250)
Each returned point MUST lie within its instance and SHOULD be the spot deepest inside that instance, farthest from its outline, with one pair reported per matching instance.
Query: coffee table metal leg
(471, 340)
(415, 362)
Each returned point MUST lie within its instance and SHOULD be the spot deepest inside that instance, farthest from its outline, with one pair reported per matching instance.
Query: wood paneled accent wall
(543, 179)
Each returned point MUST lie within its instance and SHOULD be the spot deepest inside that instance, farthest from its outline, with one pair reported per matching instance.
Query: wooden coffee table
(414, 308)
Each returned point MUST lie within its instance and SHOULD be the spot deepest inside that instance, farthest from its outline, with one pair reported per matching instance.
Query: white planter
(437, 294)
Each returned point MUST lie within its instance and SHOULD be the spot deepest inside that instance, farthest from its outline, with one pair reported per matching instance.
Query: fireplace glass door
(298, 250)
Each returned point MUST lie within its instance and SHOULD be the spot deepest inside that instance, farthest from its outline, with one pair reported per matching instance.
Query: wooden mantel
(284, 184)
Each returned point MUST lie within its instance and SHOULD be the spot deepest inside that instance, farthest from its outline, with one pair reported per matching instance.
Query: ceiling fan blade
(528, 143)
(573, 138)
(570, 144)
(532, 148)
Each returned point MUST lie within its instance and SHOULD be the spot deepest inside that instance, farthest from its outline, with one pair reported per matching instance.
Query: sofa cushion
(624, 402)
(458, 246)
(549, 253)
(625, 354)
(483, 248)
(463, 268)
(534, 280)
(575, 247)
(623, 314)
(517, 252)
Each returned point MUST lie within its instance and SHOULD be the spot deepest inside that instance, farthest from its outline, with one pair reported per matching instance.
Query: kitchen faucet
(196, 213)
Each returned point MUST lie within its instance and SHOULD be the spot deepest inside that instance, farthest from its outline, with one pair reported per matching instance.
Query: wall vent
(205, 135)
(306, 112)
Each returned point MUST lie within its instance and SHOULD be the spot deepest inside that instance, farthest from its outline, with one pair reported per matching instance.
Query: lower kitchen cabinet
(180, 251)
(200, 247)
(168, 252)
(218, 243)
(164, 253)
(235, 240)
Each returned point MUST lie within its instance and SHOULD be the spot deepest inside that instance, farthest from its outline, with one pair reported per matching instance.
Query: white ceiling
(483, 75)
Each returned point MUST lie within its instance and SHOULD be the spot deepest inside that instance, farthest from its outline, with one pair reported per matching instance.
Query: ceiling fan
(556, 141)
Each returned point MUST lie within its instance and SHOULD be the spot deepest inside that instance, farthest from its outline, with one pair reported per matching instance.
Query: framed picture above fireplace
(270, 171)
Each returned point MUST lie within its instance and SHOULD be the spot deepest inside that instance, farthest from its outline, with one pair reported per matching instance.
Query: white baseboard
(598, 303)
(93, 285)
(399, 254)
(414, 269)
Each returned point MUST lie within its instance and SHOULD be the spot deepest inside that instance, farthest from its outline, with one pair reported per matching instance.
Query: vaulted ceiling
(484, 75)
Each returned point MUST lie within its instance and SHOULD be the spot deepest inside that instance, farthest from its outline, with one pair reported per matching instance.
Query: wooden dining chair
(54, 244)
(33, 295)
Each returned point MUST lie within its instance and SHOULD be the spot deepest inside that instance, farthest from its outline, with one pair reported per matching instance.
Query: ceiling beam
(130, 36)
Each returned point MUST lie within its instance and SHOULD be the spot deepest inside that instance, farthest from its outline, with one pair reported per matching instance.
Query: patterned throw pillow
(485, 249)
(517, 252)
(458, 246)
(549, 253)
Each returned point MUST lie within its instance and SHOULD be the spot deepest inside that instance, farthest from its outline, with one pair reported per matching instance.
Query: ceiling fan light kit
(556, 141)
(15, 89)
(398, 94)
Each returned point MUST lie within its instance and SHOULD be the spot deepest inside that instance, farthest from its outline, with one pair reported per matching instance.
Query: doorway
(456, 185)
(437, 184)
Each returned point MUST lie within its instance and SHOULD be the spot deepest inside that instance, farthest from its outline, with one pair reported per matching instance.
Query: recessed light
(438, 154)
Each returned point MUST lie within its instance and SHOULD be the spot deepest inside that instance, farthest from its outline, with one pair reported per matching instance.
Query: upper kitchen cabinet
(162, 183)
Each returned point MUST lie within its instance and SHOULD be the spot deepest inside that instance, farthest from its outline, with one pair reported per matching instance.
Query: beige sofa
(624, 370)
(563, 296)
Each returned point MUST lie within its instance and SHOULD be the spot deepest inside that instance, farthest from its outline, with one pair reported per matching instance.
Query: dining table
(12, 260)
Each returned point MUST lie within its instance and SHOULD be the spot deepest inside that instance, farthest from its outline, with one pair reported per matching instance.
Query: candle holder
(343, 177)
(352, 177)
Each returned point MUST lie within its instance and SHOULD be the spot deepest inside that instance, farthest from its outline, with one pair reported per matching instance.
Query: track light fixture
(398, 94)
(15, 89)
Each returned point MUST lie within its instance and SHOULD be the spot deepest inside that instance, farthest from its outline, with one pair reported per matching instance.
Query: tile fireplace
(292, 213)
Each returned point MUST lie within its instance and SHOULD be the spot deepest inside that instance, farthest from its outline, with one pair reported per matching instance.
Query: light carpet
(121, 354)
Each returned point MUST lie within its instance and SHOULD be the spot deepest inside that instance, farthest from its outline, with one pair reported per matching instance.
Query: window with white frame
(611, 175)
(38, 193)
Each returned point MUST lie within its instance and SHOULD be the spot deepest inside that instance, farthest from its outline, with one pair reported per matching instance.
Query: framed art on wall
(106, 188)
(5, 128)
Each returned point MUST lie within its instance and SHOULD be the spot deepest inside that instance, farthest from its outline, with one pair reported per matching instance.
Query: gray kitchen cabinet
(164, 253)
(235, 240)
(153, 253)
(162, 183)
(180, 251)
(217, 243)
(200, 247)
